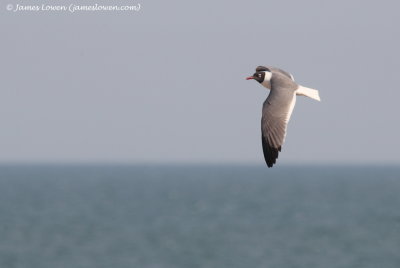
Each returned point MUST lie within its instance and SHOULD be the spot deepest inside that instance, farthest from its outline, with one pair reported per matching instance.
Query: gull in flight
(278, 107)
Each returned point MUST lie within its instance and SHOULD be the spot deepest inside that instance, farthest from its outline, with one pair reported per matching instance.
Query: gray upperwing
(276, 113)
(282, 72)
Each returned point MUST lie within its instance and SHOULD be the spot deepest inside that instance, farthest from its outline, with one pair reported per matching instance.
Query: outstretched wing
(276, 112)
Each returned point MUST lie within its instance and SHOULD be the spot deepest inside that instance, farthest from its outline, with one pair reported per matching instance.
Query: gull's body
(278, 107)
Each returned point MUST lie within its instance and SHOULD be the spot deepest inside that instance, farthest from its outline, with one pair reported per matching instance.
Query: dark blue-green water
(199, 216)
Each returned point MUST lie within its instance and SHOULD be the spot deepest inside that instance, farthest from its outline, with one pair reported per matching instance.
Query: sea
(199, 216)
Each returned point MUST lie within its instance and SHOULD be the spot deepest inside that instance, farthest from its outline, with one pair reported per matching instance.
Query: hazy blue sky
(166, 84)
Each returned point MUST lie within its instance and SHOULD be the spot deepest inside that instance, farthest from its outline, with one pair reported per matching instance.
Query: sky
(166, 83)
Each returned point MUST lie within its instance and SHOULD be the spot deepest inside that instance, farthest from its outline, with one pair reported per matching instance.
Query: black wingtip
(270, 153)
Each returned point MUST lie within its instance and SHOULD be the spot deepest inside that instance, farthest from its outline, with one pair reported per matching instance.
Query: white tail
(308, 92)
